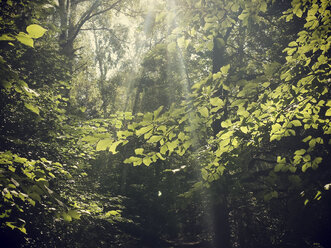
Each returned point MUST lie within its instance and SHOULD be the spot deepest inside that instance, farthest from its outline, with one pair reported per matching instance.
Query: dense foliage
(206, 126)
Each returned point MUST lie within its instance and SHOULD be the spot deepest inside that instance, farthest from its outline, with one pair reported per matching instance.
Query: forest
(165, 123)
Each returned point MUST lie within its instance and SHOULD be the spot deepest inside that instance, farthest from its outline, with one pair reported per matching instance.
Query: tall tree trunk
(220, 208)
(221, 224)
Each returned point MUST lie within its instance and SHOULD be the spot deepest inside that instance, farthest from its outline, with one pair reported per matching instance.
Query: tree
(263, 109)
(36, 123)
(71, 22)
(227, 143)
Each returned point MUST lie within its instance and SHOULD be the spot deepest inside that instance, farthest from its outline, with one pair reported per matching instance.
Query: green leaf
(187, 144)
(138, 162)
(293, 44)
(312, 143)
(162, 128)
(227, 123)
(204, 174)
(157, 112)
(10, 224)
(204, 112)
(215, 101)
(317, 161)
(74, 214)
(244, 129)
(266, 84)
(112, 213)
(299, 13)
(278, 167)
(318, 194)
(35, 31)
(263, 6)
(25, 39)
(22, 229)
(235, 7)
(225, 69)
(160, 156)
(139, 151)
(20, 160)
(181, 136)
(242, 111)
(104, 144)
(114, 145)
(226, 135)
(307, 138)
(276, 127)
(210, 45)
(296, 123)
(154, 139)
(66, 217)
(132, 159)
(328, 112)
(281, 160)
(243, 15)
(32, 108)
(32, 202)
(144, 130)
(90, 139)
(7, 37)
(300, 152)
(147, 161)
(172, 145)
(305, 167)
(164, 149)
(274, 137)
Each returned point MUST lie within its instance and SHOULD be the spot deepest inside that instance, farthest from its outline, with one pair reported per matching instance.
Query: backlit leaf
(66, 217)
(154, 139)
(296, 123)
(32, 108)
(263, 7)
(114, 145)
(104, 144)
(225, 69)
(215, 101)
(204, 112)
(144, 130)
(35, 31)
(25, 39)
(139, 151)
(147, 161)
(74, 214)
(244, 129)
(6, 37)
(132, 159)
(278, 167)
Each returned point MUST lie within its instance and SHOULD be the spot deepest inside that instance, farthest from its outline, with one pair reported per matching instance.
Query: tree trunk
(221, 223)
(220, 208)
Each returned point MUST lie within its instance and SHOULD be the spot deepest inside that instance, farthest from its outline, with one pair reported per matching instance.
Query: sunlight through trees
(169, 123)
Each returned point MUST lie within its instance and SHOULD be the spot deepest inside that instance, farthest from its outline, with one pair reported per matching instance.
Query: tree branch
(88, 15)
